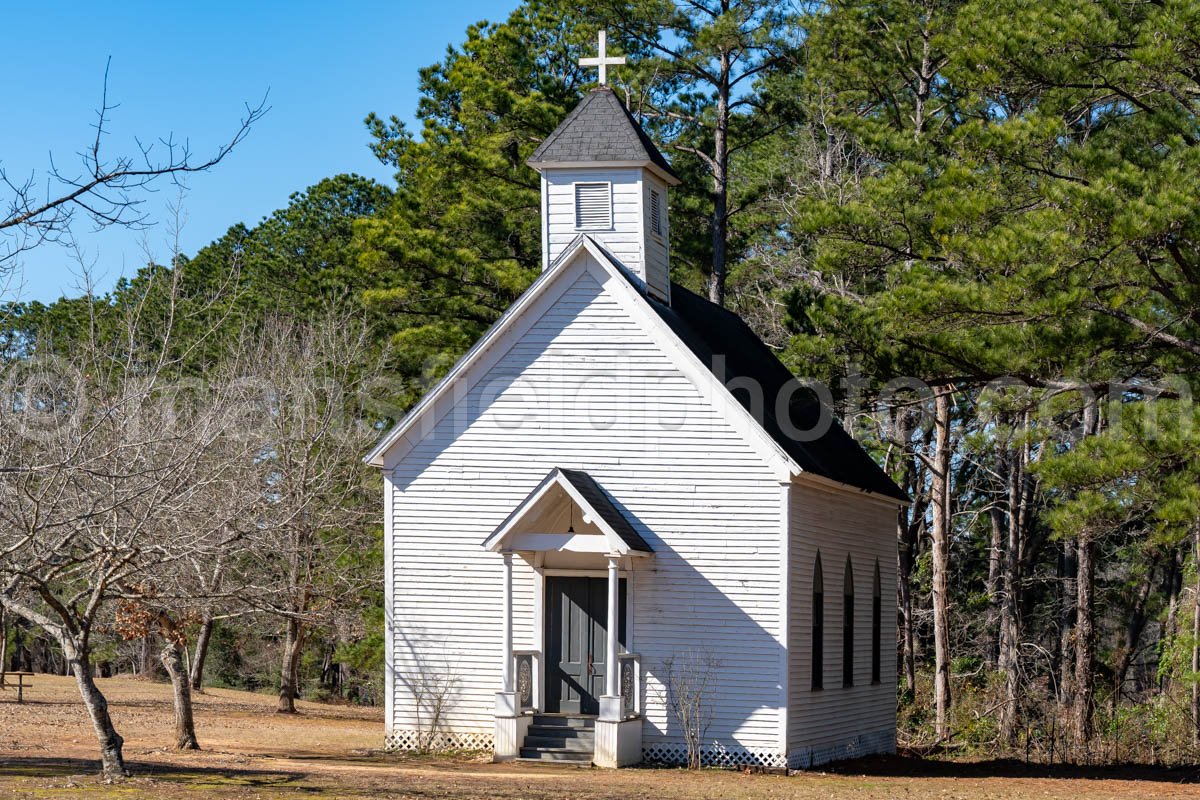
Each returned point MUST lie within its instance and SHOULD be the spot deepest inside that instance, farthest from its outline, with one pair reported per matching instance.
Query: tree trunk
(1196, 641)
(185, 728)
(3, 640)
(908, 643)
(147, 667)
(993, 587)
(289, 683)
(1133, 633)
(1010, 605)
(77, 657)
(112, 760)
(720, 186)
(908, 533)
(1172, 586)
(1068, 571)
(202, 640)
(1084, 645)
(940, 532)
(22, 659)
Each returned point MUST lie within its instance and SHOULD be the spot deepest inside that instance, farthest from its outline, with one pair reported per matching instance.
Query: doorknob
(591, 666)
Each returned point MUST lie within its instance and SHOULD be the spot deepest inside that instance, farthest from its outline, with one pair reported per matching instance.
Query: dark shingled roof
(709, 330)
(604, 506)
(718, 337)
(599, 129)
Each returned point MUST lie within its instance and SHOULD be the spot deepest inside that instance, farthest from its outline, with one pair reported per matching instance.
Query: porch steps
(560, 739)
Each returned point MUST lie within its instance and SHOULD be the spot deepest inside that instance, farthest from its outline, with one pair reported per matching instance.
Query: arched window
(848, 625)
(876, 629)
(818, 627)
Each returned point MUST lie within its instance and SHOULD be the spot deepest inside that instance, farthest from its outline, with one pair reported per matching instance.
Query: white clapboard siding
(623, 237)
(840, 523)
(595, 393)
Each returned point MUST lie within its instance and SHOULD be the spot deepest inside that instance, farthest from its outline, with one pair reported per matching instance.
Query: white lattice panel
(407, 741)
(718, 755)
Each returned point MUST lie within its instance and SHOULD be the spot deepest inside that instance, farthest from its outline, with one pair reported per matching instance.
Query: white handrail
(535, 677)
(630, 683)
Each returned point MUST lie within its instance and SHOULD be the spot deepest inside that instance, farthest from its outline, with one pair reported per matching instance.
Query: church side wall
(837, 722)
(595, 393)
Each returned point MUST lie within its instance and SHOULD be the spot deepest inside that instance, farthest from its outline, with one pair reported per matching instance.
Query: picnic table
(6, 682)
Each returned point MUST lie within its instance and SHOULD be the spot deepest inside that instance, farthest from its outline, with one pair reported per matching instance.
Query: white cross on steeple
(603, 61)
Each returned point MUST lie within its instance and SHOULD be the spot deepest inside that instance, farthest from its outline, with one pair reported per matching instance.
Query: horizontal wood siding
(595, 393)
(840, 523)
(625, 237)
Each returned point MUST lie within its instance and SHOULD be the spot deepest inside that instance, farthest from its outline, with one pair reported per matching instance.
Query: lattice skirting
(716, 755)
(399, 741)
(865, 745)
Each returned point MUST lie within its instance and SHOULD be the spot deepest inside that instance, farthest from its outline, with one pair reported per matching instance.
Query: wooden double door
(576, 642)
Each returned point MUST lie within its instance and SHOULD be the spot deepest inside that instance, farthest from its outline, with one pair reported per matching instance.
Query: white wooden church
(620, 476)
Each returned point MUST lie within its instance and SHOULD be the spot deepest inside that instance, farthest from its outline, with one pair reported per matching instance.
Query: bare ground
(47, 750)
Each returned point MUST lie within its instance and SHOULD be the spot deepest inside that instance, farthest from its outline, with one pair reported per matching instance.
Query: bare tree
(433, 687)
(314, 379)
(106, 189)
(689, 682)
(212, 519)
(99, 454)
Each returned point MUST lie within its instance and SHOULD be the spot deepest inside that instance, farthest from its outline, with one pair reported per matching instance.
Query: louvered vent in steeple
(593, 206)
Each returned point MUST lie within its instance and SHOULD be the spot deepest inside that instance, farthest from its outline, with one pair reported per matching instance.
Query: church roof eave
(668, 177)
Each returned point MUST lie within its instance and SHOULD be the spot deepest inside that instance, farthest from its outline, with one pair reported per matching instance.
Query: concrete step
(549, 762)
(562, 721)
(561, 732)
(582, 745)
(556, 754)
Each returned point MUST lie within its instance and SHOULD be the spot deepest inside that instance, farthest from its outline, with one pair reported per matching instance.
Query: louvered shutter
(655, 213)
(593, 206)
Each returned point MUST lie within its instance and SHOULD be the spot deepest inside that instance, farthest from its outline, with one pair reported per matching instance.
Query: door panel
(576, 642)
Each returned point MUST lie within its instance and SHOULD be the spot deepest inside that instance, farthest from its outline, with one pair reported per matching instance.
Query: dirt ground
(47, 750)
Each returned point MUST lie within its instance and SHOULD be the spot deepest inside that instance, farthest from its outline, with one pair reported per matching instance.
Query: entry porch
(578, 695)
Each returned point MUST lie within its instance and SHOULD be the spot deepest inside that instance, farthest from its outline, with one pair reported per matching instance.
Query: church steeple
(603, 176)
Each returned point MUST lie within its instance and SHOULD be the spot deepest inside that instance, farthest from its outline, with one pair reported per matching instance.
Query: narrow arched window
(818, 627)
(876, 629)
(848, 625)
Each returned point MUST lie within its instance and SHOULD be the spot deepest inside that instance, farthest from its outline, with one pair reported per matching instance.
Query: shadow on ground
(913, 766)
(35, 767)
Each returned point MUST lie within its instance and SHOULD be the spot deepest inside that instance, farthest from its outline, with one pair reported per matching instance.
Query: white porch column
(511, 725)
(506, 672)
(618, 740)
(611, 674)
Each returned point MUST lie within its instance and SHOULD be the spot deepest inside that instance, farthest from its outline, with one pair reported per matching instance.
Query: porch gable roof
(595, 506)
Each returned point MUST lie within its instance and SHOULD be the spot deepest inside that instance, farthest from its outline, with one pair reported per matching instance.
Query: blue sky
(188, 69)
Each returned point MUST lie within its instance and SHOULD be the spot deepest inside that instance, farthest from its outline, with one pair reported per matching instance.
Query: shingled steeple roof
(601, 130)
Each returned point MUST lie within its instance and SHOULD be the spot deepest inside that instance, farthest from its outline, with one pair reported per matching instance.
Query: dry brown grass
(47, 751)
